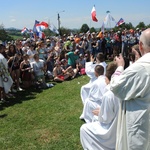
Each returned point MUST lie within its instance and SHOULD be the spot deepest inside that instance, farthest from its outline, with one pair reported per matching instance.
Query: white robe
(5, 78)
(132, 87)
(95, 94)
(101, 135)
(89, 69)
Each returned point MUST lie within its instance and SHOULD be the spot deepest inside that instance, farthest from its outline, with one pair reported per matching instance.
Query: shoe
(49, 85)
(19, 89)
(14, 91)
(9, 95)
(3, 100)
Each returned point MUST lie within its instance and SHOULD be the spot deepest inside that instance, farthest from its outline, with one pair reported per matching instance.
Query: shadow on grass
(25, 95)
(19, 97)
(3, 116)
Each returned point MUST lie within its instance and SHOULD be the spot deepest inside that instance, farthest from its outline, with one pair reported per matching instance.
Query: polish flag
(41, 26)
(41, 35)
(93, 13)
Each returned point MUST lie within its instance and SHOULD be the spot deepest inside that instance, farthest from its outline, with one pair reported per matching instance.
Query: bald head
(144, 43)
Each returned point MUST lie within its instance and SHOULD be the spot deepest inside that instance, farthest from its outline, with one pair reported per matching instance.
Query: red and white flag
(93, 13)
(41, 35)
(41, 26)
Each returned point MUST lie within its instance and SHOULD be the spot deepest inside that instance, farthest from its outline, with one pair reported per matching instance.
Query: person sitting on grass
(59, 73)
(72, 58)
(81, 62)
(39, 69)
(67, 68)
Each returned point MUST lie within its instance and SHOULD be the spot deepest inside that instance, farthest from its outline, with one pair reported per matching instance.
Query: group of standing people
(116, 108)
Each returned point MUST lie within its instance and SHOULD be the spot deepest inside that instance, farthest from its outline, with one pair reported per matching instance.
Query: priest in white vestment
(132, 87)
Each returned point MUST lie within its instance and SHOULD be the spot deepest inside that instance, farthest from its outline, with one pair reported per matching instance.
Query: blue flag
(34, 27)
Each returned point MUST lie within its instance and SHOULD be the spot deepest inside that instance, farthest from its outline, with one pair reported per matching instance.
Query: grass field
(43, 119)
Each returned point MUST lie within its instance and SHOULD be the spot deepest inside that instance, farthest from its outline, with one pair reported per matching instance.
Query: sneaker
(49, 85)
(14, 91)
(9, 95)
(19, 89)
(3, 100)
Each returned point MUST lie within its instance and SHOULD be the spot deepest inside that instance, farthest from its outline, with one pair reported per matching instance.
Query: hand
(137, 56)
(119, 60)
(96, 111)
(92, 58)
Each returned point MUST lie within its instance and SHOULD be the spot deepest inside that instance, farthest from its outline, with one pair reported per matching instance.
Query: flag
(53, 29)
(41, 26)
(41, 35)
(24, 30)
(34, 27)
(108, 18)
(120, 22)
(93, 14)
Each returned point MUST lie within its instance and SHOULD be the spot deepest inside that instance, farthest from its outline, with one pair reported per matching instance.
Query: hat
(63, 60)
(131, 31)
(48, 40)
(80, 55)
(76, 50)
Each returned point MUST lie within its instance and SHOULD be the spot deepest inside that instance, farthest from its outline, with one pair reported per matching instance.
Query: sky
(73, 13)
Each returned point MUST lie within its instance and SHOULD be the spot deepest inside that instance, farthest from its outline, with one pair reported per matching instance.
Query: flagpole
(58, 18)
(90, 23)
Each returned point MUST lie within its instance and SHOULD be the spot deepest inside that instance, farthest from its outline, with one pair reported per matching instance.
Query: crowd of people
(116, 101)
(117, 92)
(31, 60)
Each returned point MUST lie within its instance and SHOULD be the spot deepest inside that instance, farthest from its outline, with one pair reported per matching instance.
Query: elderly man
(131, 86)
(5, 78)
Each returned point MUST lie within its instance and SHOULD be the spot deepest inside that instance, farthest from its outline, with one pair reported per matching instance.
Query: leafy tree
(148, 26)
(141, 25)
(4, 35)
(85, 28)
(48, 32)
(65, 31)
(127, 26)
(92, 30)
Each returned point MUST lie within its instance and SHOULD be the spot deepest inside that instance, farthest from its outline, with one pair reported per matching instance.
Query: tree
(148, 26)
(127, 26)
(92, 30)
(85, 28)
(48, 32)
(3, 34)
(65, 31)
(141, 25)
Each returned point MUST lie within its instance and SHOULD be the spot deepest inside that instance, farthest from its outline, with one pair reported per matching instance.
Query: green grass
(15, 37)
(43, 120)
